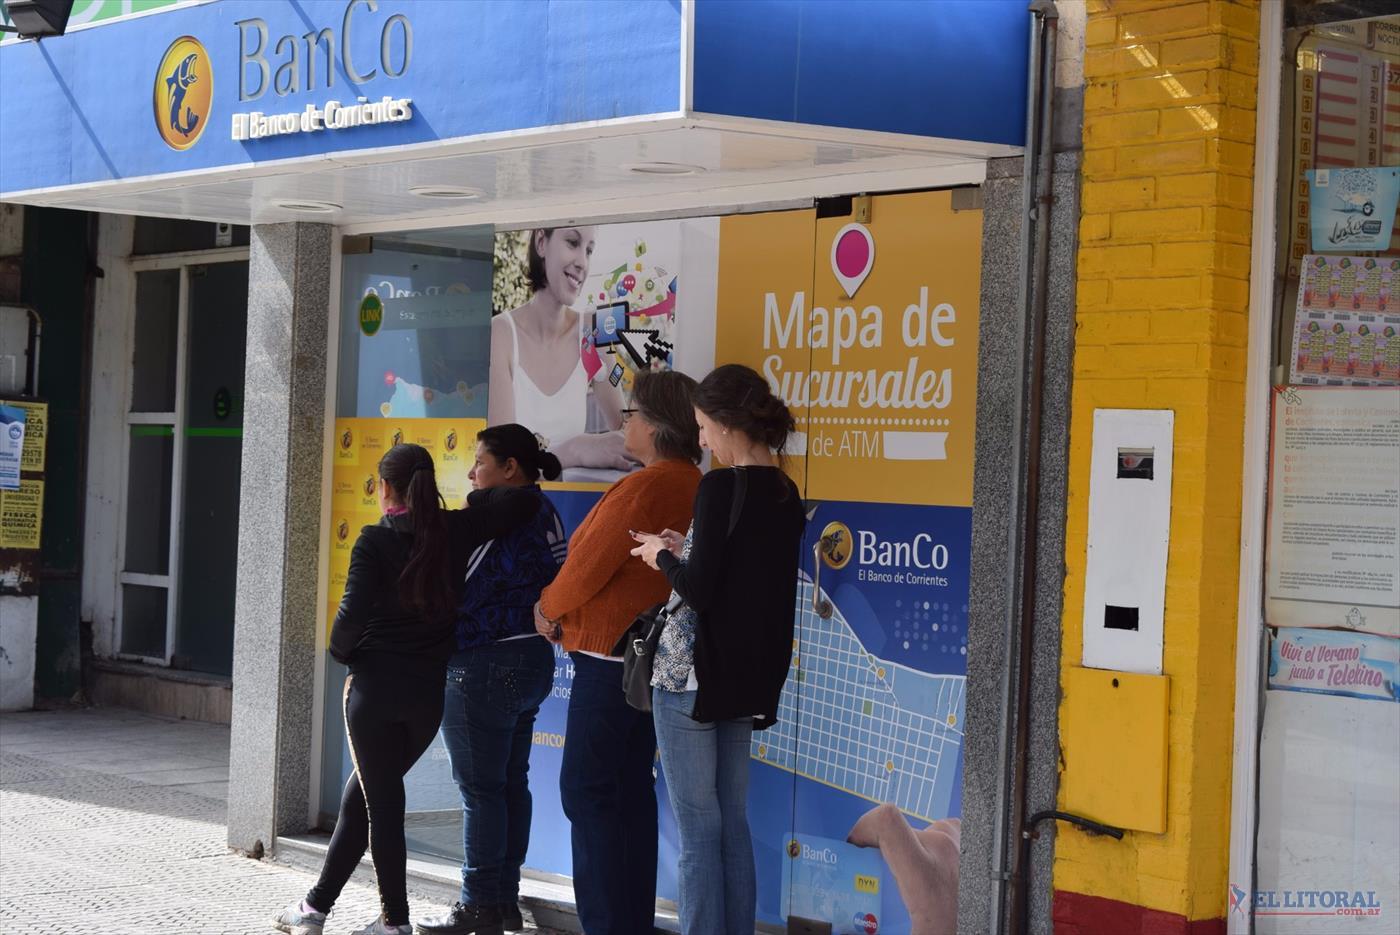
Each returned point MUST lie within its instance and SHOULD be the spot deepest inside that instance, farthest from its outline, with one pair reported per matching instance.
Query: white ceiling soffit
(555, 175)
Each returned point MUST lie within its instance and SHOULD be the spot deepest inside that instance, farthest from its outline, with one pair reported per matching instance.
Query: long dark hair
(738, 398)
(424, 584)
(513, 440)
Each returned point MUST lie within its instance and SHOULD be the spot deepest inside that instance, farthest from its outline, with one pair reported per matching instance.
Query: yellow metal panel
(1113, 731)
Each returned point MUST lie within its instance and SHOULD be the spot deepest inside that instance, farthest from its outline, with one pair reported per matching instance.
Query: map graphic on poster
(880, 731)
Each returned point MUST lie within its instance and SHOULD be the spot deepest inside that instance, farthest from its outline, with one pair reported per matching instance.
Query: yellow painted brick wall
(1163, 291)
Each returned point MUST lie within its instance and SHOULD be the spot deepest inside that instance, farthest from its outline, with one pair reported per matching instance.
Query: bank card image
(826, 880)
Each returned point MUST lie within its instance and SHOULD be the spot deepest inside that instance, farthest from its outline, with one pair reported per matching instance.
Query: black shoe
(511, 920)
(464, 920)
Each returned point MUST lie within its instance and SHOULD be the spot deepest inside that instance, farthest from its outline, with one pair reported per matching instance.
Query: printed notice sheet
(1334, 509)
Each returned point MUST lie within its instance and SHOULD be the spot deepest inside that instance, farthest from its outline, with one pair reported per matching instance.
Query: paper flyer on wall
(1333, 662)
(1347, 328)
(1352, 209)
(36, 422)
(1334, 509)
(11, 446)
(22, 515)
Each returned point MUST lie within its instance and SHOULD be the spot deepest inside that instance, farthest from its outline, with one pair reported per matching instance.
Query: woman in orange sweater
(605, 781)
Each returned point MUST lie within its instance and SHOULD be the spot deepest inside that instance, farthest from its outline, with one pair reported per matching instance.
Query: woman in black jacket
(394, 630)
(725, 654)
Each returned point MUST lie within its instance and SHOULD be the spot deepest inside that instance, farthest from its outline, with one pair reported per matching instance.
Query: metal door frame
(175, 419)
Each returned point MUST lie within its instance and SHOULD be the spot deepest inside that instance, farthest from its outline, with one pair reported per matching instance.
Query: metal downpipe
(1025, 466)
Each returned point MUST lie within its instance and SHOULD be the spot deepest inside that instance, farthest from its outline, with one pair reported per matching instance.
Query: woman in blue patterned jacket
(501, 672)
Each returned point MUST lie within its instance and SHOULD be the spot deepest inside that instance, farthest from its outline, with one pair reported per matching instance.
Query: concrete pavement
(112, 822)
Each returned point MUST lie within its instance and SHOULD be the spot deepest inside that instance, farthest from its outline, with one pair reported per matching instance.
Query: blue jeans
(488, 725)
(707, 775)
(608, 791)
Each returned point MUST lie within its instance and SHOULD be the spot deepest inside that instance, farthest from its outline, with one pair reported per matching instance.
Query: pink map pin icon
(852, 256)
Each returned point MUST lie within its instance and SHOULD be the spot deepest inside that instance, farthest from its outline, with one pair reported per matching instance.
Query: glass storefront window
(415, 323)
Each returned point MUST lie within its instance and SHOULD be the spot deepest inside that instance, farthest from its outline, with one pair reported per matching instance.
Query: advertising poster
(415, 330)
(36, 425)
(1352, 209)
(1334, 509)
(11, 446)
(1347, 328)
(22, 515)
(1332, 662)
(872, 339)
(358, 446)
(580, 311)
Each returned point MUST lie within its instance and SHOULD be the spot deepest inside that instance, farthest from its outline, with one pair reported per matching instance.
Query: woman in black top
(725, 654)
(394, 629)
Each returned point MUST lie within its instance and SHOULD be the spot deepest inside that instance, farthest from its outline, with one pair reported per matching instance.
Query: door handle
(820, 605)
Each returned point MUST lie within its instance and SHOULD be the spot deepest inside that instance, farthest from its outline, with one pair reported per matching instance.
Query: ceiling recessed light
(663, 168)
(458, 192)
(307, 207)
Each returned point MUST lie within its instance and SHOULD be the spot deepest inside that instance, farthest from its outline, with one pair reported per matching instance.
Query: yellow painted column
(1162, 322)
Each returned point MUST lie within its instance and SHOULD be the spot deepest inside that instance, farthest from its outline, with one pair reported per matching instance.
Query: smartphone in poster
(867, 751)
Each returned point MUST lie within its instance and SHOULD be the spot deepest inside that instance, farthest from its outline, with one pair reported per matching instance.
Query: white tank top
(561, 415)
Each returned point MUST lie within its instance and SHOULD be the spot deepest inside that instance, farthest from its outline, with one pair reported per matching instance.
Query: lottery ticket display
(1347, 330)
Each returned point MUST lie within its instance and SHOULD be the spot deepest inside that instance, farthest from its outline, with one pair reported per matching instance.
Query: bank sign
(192, 87)
(225, 84)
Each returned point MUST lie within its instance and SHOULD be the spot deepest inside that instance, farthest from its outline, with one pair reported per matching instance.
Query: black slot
(1120, 618)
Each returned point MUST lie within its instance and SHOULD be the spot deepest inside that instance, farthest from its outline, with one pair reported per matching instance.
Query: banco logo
(450, 442)
(347, 440)
(183, 93)
(342, 531)
(836, 545)
(369, 486)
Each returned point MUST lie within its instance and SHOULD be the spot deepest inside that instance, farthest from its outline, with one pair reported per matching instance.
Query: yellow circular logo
(836, 545)
(184, 92)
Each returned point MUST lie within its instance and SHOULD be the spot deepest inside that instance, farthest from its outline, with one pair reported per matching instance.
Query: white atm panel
(1130, 484)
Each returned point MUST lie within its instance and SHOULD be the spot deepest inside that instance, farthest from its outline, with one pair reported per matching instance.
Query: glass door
(765, 320)
(145, 606)
(212, 459)
(184, 437)
(879, 685)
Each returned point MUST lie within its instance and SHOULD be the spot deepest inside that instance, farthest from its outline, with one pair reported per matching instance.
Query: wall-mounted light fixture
(36, 19)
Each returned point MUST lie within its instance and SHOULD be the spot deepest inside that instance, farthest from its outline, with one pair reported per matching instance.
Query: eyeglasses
(627, 415)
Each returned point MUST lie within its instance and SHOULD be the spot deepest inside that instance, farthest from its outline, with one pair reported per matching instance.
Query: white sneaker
(380, 927)
(295, 922)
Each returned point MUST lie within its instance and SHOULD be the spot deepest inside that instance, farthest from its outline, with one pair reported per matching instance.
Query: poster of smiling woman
(578, 313)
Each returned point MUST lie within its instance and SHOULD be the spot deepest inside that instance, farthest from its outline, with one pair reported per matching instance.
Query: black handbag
(638, 645)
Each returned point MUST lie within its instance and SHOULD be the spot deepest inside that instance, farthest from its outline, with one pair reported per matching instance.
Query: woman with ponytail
(501, 672)
(724, 655)
(394, 630)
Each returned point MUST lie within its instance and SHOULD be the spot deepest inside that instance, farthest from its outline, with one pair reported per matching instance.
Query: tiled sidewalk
(112, 822)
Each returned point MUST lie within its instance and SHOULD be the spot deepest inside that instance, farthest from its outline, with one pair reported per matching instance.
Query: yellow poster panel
(358, 446)
(36, 430)
(765, 260)
(870, 331)
(22, 515)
